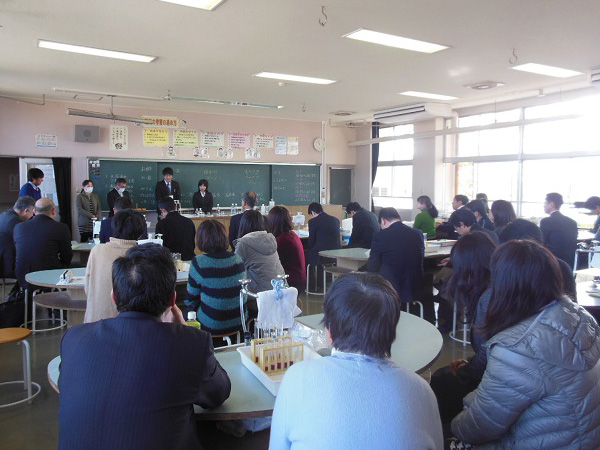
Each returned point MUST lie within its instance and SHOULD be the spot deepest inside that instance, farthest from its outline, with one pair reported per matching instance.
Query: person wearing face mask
(119, 191)
(88, 208)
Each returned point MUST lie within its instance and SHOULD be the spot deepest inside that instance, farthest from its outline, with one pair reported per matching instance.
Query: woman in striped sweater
(213, 284)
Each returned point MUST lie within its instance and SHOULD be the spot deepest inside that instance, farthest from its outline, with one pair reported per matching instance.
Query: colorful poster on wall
(262, 141)
(239, 140)
(118, 137)
(280, 145)
(252, 153)
(201, 152)
(46, 141)
(164, 122)
(212, 139)
(224, 153)
(155, 138)
(185, 138)
(292, 146)
(170, 152)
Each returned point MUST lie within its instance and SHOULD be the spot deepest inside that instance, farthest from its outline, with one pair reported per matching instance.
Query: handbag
(12, 311)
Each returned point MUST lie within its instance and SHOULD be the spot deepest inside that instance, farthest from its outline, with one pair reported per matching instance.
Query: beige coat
(98, 278)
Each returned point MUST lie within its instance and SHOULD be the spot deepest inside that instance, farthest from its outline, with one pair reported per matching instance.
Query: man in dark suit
(364, 225)
(167, 188)
(119, 191)
(559, 232)
(323, 233)
(178, 232)
(445, 230)
(22, 211)
(130, 382)
(249, 200)
(106, 232)
(397, 253)
(42, 243)
(464, 221)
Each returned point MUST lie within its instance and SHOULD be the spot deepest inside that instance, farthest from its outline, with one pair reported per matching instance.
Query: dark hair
(122, 203)
(120, 181)
(211, 237)
(592, 203)
(525, 278)
(167, 171)
(84, 184)
(471, 256)
(24, 203)
(203, 182)
(353, 207)
(166, 203)
(484, 198)
(389, 214)
(520, 229)
(34, 173)
(503, 213)
(128, 224)
(462, 216)
(361, 311)
(477, 206)
(252, 220)
(431, 209)
(461, 198)
(250, 198)
(315, 207)
(144, 279)
(556, 198)
(279, 220)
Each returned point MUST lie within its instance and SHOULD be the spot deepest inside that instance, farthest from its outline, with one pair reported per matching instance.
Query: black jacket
(324, 234)
(204, 203)
(179, 234)
(364, 227)
(111, 197)
(162, 191)
(559, 234)
(8, 220)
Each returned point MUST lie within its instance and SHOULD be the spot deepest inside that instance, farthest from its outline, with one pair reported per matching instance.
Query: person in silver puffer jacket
(541, 386)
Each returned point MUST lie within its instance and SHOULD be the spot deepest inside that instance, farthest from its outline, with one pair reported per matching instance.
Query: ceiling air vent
(412, 113)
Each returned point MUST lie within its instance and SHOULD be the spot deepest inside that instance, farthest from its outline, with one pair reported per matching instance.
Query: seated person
(593, 204)
(20, 212)
(289, 247)
(120, 203)
(425, 220)
(130, 382)
(364, 225)
(445, 230)
(502, 213)
(323, 234)
(213, 288)
(128, 225)
(464, 222)
(249, 200)
(479, 209)
(362, 398)
(178, 232)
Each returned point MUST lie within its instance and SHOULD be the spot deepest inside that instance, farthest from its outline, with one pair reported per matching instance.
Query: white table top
(362, 254)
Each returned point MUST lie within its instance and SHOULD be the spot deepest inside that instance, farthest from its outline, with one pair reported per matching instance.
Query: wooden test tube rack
(276, 355)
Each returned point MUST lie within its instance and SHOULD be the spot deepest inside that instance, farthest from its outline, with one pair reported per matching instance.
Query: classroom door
(48, 186)
(340, 186)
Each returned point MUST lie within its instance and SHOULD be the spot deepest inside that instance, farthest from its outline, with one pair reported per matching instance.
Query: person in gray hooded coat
(541, 386)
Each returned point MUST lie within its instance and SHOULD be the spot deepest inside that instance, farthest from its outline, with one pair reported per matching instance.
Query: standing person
(367, 401)
(249, 200)
(168, 187)
(502, 213)
(20, 212)
(35, 177)
(425, 220)
(559, 232)
(128, 226)
(119, 191)
(289, 247)
(130, 382)
(178, 232)
(88, 208)
(364, 226)
(213, 289)
(203, 199)
(541, 386)
(483, 220)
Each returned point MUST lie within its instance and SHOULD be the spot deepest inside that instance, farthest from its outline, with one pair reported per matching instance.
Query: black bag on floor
(12, 311)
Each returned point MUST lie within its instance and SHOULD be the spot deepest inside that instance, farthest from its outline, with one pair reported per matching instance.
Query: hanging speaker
(87, 133)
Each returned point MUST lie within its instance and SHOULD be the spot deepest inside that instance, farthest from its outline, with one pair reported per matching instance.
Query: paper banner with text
(262, 141)
(292, 146)
(165, 122)
(46, 141)
(156, 138)
(118, 137)
(280, 145)
(185, 138)
(239, 140)
(212, 139)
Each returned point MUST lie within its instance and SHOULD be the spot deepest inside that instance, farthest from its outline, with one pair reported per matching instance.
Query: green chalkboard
(295, 185)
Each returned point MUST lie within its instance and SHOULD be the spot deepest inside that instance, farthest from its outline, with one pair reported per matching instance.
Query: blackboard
(285, 184)
(340, 181)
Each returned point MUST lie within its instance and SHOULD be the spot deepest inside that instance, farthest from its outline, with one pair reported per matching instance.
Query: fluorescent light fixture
(107, 116)
(428, 95)
(550, 71)
(224, 102)
(298, 78)
(390, 40)
(106, 94)
(94, 51)
(209, 5)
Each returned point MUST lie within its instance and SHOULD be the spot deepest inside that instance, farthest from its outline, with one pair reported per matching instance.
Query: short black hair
(166, 203)
(315, 207)
(144, 279)
(122, 203)
(461, 198)
(556, 198)
(279, 220)
(477, 206)
(252, 220)
(128, 224)
(34, 173)
(503, 212)
(24, 203)
(389, 214)
(592, 203)
(462, 216)
(203, 182)
(86, 182)
(521, 229)
(211, 237)
(361, 311)
(353, 207)
(250, 198)
(167, 171)
(120, 181)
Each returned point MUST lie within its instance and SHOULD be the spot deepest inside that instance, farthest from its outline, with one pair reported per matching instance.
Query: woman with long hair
(425, 220)
(88, 208)
(289, 247)
(502, 213)
(478, 208)
(541, 387)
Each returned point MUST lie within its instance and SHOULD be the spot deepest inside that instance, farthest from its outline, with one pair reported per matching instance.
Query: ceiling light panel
(94, 51)
(550, 71)
(428, 95)
(298, 78)
(209, 5)
(390, 40)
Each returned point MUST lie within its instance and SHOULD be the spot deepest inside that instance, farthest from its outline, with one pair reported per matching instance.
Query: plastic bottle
(218, 209)
(263, 209)
(191, 320)
(231, 211)
(271, 205)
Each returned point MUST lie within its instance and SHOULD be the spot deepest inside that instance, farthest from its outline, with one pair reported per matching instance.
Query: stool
(465, 328)
(57, 300)
(8, 335)
(227, 337)
(412, 303)
(315, 268)
(6, 281)
(335, 272)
